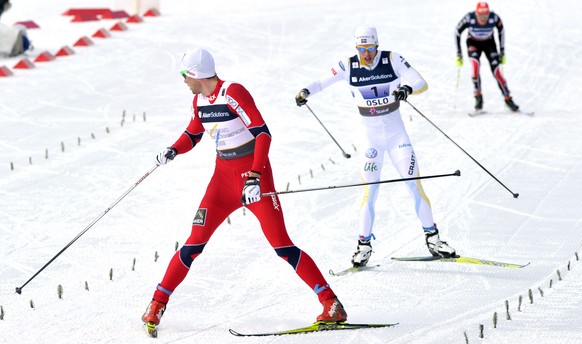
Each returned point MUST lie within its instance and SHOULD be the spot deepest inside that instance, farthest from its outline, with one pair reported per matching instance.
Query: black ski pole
(456, 173)
(19, 289)
(346, 155)
(515, 195)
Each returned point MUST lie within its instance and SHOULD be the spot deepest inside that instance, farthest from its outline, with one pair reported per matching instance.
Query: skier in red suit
(227, 113)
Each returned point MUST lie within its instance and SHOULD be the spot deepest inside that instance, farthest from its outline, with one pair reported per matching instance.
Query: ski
(477, 113)
(353, 269)
(151, 330)
(315, 327)
(465, 260)
(530, 114)
(482, 112)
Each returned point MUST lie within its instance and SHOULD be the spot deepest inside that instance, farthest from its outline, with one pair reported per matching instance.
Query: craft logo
(412, 163)
(200, 218)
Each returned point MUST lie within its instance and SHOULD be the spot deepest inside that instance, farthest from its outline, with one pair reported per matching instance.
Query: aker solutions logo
(200, 218)
(371, 153)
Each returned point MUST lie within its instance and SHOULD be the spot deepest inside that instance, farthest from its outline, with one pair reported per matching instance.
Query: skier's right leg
(214, 209)
(474, 57)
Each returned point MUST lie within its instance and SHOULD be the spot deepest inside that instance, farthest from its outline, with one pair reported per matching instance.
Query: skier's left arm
(240, 101)
(415, 84)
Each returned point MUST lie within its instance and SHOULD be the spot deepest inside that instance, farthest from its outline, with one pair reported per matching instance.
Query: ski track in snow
(274, 49)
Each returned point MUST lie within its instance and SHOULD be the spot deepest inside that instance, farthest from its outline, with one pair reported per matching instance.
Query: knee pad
(291, 254)
(189, 252)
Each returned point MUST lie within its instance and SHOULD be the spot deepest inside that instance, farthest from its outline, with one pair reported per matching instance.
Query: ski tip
(234, 333)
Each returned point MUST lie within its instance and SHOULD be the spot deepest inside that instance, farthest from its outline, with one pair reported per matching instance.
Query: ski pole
(346, 155)
(456, 173)
(515, 195)
(19, 289)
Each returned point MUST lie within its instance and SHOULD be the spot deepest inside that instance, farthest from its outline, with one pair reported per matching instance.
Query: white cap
(366, 35)
(198, 64)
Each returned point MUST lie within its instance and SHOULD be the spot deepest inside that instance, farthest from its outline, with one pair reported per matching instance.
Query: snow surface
(275, 48)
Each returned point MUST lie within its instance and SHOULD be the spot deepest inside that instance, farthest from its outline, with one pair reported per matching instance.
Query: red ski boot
(333, 311)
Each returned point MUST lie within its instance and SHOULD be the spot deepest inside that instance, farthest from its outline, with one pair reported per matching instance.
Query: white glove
(251, 191)
(165, 155)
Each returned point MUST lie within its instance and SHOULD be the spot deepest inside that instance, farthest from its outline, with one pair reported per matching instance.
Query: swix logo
(370, 167)
(275, 203)
(245, 174)
(412, 164)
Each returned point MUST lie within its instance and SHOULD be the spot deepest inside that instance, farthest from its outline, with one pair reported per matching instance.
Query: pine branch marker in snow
(1, 313)
(60, 291)
(541, 291)
(576, 254)
(311, 172)
(133, 266)
(466, 337)
(299, 179)
(519, 303)
(507, 315)
(494, 319)
(481, 327)
(551, 282)
(78, 141)
(62, 147)
(31, 304)
(93, 136)
(176, 247)
(322, 167)
(559, 275)
(30, 160)
(156, 256)
(107, 130)
(144, 116)
(46, 153)
(86, 286)
(11, 166)
(111, 274)
(530, 293)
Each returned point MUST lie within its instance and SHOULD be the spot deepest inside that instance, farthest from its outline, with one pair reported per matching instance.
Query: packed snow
(77, 133)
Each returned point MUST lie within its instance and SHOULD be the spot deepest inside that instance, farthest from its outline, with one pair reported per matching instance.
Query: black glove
(165, 155)
(251, 192)
(301, 97)
(402, 92)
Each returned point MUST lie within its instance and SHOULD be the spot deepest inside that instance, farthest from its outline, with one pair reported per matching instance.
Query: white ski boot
(363, 253)
(438, 248)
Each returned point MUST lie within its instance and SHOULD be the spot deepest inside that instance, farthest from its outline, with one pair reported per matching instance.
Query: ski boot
(152, 316)
(438, 248)
(333, 311)
(509, 101)
(363, 253)
(478, 102)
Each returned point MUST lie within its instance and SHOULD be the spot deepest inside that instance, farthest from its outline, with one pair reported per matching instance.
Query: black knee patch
(188, 253)
(291, 254)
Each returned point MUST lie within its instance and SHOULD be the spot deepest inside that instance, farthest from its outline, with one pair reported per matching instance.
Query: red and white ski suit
(230, 117)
